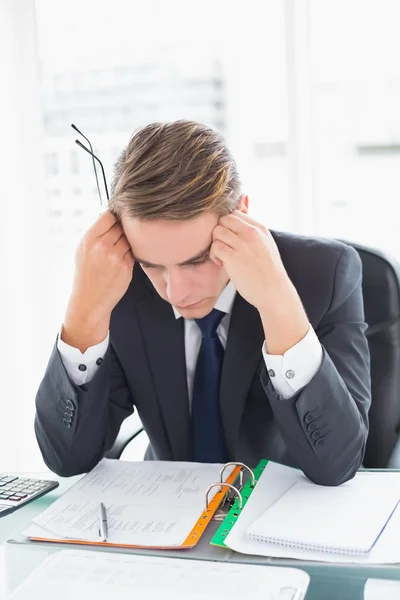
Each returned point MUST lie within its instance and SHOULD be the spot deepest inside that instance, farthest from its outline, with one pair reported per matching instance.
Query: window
(238, 88)
(355, 87)
(74, 162)
(51, 161)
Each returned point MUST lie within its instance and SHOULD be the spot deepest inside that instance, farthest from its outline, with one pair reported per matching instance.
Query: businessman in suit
(231, 341)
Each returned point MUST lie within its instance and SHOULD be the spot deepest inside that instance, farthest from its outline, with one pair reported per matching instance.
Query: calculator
(16, 491)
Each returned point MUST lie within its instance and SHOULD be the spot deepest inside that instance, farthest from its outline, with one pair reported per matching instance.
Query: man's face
(175, 257)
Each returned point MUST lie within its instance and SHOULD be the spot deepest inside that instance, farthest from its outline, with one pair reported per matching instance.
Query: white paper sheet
(275, 481)
(83, 575)
(149, 503)
(381, 589)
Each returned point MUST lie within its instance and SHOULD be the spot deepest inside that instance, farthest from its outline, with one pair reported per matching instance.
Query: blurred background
(306, 93)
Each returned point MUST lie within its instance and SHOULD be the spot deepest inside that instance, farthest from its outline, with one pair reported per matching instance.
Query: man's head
(171, 184)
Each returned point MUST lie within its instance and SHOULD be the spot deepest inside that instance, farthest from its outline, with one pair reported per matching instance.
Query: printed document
(151, 503)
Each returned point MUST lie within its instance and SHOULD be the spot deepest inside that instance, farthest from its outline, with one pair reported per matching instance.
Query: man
(232, 342)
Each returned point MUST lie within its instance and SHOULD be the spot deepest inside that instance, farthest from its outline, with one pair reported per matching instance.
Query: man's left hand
(252, 261)
(250, 257)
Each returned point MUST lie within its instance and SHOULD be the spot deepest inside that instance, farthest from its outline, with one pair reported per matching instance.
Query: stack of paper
(381, 589)
(83, 575)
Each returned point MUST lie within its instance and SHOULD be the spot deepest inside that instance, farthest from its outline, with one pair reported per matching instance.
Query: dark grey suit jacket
(322, 429)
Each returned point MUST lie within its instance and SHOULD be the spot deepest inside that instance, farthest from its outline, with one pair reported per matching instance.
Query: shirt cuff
(295, 369)
(88, 362)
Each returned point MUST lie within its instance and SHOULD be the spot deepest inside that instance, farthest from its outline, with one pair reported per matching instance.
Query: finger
(234, 223)
(113, 235)
(245, 217)
(217, 261)
(122, 246)
(128, 258)
(220, 251)
(103, 224)
(225, 235)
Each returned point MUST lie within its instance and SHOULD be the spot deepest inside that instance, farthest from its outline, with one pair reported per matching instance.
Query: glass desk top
(329, 581)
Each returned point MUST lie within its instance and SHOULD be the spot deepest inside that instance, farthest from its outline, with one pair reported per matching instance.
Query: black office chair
(381, 292)
(130, 429)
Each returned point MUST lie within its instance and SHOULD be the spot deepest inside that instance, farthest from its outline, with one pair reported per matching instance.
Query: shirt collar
(224, 302)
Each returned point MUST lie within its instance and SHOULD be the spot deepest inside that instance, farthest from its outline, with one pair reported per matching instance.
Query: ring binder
(239, 464)
(230, 486)
(234, 513)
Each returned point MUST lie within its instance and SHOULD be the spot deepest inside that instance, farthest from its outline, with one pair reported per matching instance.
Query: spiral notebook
(347, 519)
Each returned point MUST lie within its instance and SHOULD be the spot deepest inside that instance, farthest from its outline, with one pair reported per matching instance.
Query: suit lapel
(165, 347)
(243, 355)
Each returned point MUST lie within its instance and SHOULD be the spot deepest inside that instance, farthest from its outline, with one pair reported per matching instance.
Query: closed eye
(144, 266)
(203, 261)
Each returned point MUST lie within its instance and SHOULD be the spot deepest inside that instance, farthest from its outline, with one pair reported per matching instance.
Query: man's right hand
(103, 272)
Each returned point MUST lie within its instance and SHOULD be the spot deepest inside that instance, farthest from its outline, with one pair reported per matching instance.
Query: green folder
(234, 513)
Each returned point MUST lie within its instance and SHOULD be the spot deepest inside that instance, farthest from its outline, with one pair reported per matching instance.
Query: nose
(178, 288)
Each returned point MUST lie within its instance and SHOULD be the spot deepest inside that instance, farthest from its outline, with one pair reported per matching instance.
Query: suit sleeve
(76, 425)
(325, 424)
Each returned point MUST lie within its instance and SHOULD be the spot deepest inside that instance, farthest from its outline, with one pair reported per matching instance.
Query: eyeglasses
(94, 158)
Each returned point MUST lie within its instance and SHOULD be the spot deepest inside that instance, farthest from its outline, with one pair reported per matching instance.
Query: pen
(103, 529)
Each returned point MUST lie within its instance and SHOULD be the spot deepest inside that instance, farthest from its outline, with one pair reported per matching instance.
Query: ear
(243, 205)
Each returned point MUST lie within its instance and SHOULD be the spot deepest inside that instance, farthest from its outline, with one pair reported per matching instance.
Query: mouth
(187, 306)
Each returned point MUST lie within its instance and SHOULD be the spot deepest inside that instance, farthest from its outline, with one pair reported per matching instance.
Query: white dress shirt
(288, 373)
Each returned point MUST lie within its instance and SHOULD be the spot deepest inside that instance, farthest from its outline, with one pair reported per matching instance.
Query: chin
(197, 312)
(194, 314)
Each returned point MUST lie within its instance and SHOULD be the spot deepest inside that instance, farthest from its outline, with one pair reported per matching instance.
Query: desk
(328, 581)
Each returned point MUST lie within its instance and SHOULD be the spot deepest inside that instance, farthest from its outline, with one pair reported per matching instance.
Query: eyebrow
(190, 261)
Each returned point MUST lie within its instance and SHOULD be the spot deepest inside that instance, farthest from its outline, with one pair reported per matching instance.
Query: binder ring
(222, 485)
(239, 464)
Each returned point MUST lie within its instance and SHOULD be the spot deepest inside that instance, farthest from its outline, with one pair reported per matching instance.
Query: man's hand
(103, 272)
(247, 251)
(249, 254)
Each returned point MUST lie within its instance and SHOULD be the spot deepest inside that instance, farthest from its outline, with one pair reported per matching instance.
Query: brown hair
(174, 171)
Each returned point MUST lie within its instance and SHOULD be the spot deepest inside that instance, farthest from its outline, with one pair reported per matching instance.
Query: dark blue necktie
(208, 437)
